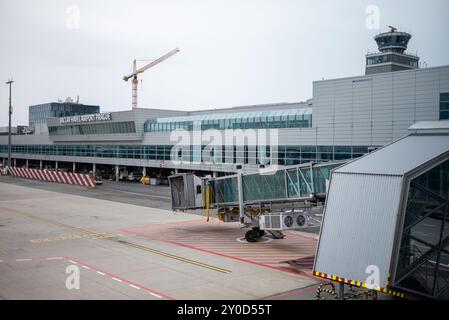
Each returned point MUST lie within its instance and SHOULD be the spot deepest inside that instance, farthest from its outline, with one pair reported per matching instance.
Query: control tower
(391, 56)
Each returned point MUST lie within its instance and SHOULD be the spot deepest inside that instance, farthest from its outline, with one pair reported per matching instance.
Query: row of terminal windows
(444, 106)
(97, 128)
(287, 121)
(286, 155)
(40, 113)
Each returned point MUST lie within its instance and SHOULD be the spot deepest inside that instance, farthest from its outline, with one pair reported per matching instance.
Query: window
(424, 249)
(294, 118)
(444, 106)
(97, 128)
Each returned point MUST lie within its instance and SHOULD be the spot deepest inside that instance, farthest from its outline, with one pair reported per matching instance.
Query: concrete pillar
(214, 174)
(117, 170)
(176, 171)
(15, 162)
(56, 165)
(40, 164)
(74, 167)
(144, 171)
(27, 163)
(94, 167)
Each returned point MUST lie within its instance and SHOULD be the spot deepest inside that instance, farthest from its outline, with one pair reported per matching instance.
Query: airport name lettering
(86, 118)
(226, 310)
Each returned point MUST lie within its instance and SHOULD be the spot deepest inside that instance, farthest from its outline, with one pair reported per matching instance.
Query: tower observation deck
(391, 56)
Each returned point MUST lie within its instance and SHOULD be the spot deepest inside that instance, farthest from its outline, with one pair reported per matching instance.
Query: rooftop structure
(391, 56)
(40, 113)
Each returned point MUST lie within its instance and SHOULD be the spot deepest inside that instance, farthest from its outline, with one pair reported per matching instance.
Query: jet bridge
(269, 201)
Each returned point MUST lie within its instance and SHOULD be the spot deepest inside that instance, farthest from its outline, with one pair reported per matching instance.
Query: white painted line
(20, 260)
(156, 295)
(85, 267)
(71, 261)
(99, 272)
(55, 258)
(133, 286)
(116, 279)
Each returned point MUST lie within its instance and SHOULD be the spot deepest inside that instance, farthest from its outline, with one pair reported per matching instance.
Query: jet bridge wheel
(254, 234)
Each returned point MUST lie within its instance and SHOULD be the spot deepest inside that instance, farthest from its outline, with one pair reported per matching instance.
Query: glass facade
(283, 184)
(94, 128)
(40, 113)
(286, 155)
(444, 106)
(293, 118)
(423, 264)
(391, 57)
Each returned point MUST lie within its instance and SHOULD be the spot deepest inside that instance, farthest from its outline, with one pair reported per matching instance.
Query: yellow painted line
(172, 256)
(57, 238)
(141, 247)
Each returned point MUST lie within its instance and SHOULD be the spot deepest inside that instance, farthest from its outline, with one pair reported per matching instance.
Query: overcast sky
(233, 52)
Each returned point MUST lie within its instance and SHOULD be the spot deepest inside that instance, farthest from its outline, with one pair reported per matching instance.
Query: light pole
(10, 82)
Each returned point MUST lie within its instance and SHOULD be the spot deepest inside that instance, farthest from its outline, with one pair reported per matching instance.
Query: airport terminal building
(345, 119)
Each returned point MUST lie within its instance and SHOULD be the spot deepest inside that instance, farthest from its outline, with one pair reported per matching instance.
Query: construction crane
(136, 71)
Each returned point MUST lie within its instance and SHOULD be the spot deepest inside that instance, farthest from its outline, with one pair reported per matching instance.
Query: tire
(260, 233)
(251, 236)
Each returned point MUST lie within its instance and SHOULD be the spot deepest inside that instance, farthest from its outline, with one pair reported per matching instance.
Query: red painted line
(54, 176)
(45, 175)
(76, 178)
(296, 293)
(41, 175)
(82, 180)
(152, 226)
(49, 176)
(67, 177)
(31, 173)
(120, 278)
(241, 259)
(301, 236)
(28, 173)
(227, 256)
(64, 177)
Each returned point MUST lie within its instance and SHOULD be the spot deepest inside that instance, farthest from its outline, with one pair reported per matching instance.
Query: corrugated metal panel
(359, 225)
(412, 151)
(430, 125)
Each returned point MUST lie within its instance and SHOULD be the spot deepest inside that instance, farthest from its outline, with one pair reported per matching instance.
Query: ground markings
(118, 279)
(120, 241)
(29, 259)
(98, 271)
(222, 240)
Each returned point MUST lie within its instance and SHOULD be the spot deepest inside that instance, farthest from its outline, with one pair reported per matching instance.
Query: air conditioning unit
(284, 221)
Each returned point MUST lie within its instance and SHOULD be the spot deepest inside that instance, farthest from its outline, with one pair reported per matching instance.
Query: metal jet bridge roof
(400, 157)
(366, 217)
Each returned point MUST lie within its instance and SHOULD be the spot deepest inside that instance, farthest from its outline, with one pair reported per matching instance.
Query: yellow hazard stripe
(361, 284)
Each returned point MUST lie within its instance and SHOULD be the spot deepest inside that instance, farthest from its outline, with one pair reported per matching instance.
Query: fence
(54, 176)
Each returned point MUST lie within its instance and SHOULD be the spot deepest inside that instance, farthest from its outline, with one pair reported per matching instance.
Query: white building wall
(378, 109)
